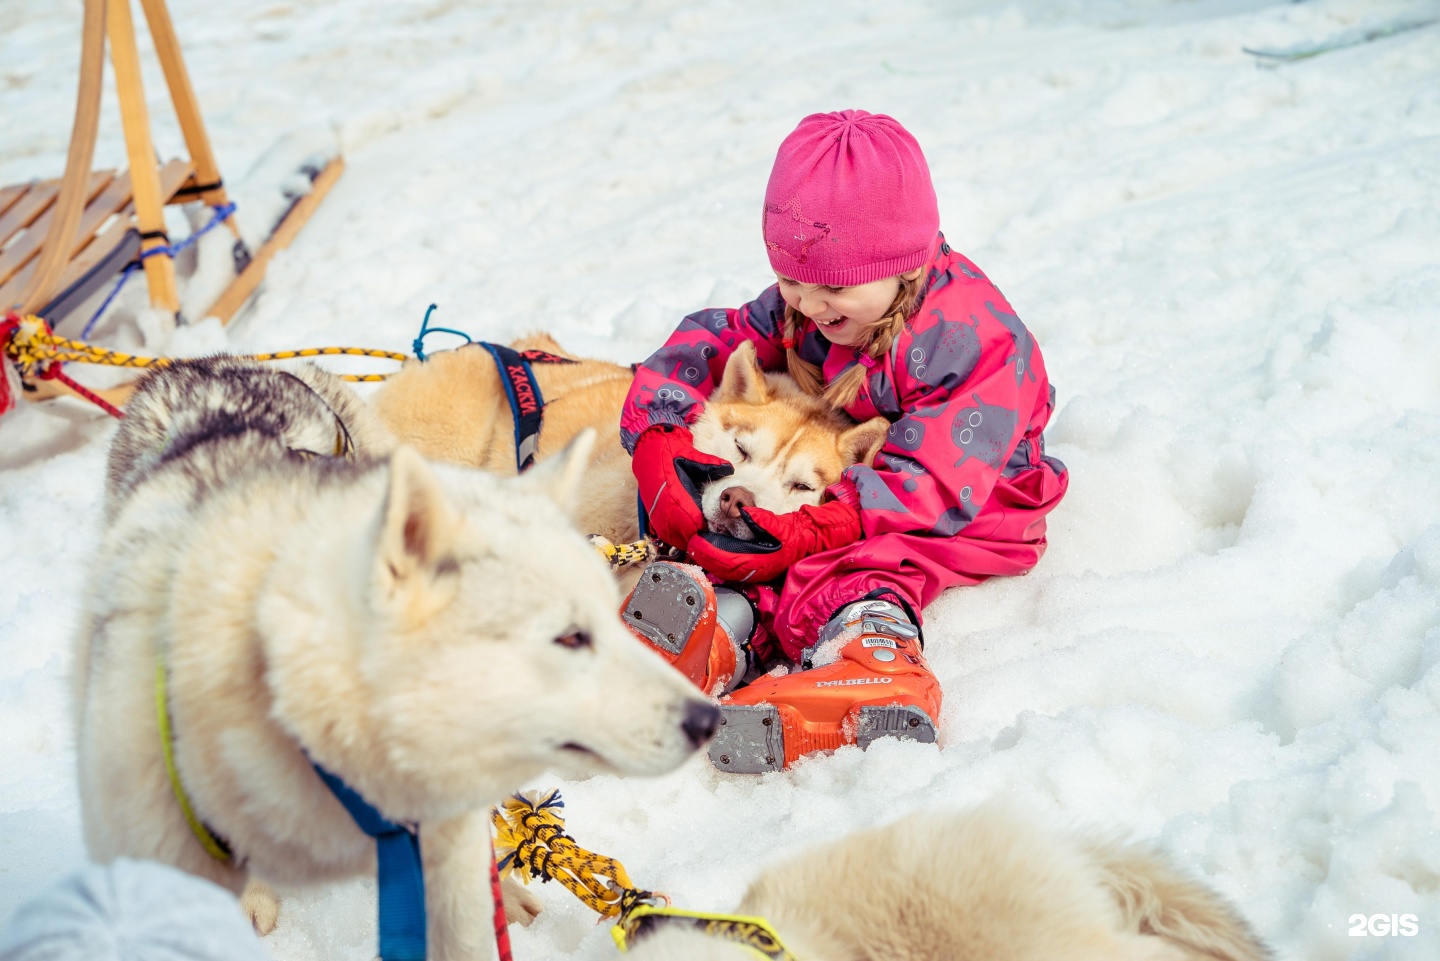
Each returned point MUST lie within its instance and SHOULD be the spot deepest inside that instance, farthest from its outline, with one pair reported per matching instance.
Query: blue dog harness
(527, 404)
(401, 879)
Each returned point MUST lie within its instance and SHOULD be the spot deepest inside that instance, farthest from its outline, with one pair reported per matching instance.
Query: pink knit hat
(849, 201)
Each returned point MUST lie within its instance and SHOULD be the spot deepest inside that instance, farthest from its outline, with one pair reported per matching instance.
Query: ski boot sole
(665, 607)
(905, 722)
(752, 738)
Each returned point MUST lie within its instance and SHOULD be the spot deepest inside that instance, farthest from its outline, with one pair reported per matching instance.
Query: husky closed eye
(744, 454)
(575, 640)
(800, 486)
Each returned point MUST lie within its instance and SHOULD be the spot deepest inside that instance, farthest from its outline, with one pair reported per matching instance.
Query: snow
(1233, 644)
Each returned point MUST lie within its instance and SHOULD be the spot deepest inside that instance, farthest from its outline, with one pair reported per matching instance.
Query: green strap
(212, 845)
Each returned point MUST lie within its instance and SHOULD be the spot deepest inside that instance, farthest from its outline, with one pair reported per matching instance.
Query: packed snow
(1233, 644)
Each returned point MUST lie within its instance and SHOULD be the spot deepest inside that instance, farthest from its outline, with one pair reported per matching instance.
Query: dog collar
(756, 935)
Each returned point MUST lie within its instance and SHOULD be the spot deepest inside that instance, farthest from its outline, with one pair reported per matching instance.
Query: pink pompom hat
(849, 201)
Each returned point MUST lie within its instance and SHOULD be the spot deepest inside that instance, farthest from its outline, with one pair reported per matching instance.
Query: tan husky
(988, 884)
(787, 446)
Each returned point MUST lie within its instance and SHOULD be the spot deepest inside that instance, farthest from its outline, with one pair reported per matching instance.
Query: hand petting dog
(671, 474)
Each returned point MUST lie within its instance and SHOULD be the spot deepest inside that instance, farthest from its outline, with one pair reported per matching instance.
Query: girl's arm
(673, 382)
(953, 498)
(943, 457)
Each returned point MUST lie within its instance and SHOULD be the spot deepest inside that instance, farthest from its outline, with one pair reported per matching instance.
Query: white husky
(434, 636)
(989, 884)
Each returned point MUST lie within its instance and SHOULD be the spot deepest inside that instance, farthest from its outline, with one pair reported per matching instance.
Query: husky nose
(702, 720)
(734, 498)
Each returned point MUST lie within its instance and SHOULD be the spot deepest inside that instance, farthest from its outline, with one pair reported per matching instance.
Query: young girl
(873, 310)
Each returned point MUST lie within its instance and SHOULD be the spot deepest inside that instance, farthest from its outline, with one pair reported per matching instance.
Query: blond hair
(879, 338)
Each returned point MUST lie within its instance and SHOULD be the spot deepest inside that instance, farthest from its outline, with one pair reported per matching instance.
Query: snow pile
(1233, 644)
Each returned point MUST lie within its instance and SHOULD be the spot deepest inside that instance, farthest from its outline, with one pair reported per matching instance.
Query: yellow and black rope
(619, 555)
(33, 346)
(530, 842)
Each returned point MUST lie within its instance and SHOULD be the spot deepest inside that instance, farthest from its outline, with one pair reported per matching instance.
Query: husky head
(787, 446)
(487, 647)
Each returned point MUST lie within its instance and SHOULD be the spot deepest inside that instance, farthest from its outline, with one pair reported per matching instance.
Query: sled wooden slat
(8, 195)
(24, 212)
(172, 177)
(243, 286)
(26, 243)
(91, 250)
(112, 200)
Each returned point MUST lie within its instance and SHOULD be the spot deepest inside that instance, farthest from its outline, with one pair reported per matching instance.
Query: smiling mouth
(832, 323)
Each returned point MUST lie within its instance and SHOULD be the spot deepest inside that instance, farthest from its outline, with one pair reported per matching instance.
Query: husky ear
(861, 443)
(743, 380)
(418, 525)
(559, 477)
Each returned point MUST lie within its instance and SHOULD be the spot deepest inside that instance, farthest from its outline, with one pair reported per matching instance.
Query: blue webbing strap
(402, 882)
(526, 402)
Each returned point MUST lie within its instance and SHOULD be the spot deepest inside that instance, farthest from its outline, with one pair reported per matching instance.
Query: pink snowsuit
(960, 490)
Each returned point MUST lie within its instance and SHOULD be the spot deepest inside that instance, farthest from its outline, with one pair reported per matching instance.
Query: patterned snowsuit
(960, 490)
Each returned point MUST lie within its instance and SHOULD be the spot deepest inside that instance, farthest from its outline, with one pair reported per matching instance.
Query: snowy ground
(1233, 645)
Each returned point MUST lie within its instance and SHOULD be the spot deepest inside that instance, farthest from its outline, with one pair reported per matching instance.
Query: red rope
(502, 930)
(54, 373)
(8, 328)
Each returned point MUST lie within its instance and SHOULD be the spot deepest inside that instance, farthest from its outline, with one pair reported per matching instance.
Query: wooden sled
(62, 240)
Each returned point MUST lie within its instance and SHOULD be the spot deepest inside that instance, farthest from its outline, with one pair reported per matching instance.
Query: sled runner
(62, 241)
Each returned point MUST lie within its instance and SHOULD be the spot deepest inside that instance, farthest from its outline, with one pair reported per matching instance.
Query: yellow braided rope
(33, 346)
(530, 842)
(621, 554)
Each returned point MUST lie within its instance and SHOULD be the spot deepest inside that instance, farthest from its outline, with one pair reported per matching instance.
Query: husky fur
(453, 408)
(988, 884)
(787, 446)
(434, 636)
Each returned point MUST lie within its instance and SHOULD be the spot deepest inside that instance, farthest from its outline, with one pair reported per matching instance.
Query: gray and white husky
(432, 635)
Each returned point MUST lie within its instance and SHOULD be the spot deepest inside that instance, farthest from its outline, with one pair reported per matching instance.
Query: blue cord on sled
(219, 216)
(418, 344)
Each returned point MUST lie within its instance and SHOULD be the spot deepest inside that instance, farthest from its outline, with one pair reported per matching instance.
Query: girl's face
(844, 314)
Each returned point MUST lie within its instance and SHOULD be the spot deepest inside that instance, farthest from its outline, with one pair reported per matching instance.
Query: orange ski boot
(869, 681)
(698, 628)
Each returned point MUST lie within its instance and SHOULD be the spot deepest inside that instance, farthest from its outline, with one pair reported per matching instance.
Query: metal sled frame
(61, 240)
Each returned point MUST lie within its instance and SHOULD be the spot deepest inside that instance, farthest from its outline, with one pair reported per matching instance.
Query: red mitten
(780, 541)
(671, 474)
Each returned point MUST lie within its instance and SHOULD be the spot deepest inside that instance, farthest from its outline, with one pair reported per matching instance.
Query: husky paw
(262, 905)
(521, 907)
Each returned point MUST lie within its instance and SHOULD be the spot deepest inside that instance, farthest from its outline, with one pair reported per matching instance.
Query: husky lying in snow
(434, 636)
(981, 885)
(452, 407)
